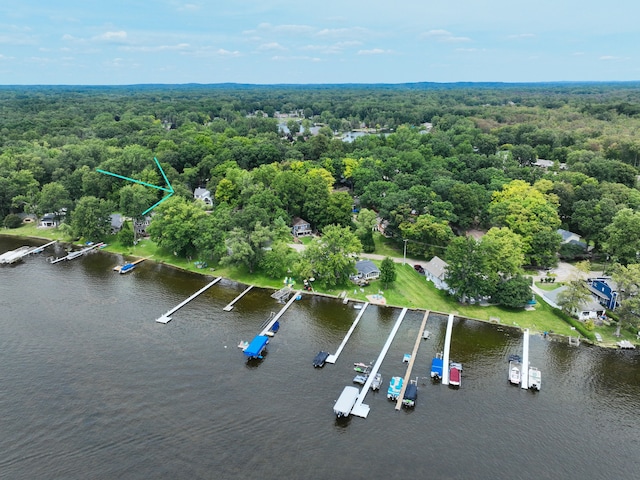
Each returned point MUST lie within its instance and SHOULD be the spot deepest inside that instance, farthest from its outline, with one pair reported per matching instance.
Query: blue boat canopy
(436, 367)
(257, 346)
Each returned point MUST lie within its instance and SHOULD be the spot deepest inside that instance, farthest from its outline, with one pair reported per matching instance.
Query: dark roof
(366, 266)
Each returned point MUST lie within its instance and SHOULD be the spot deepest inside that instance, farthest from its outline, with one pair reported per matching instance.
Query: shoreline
(552, 336)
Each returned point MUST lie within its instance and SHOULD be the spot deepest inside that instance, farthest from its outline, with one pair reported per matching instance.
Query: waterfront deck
(166, 318)
(447, 347)
(360, 409)
(118, 268)
(414, 353)
(333, 358)
(229, 307)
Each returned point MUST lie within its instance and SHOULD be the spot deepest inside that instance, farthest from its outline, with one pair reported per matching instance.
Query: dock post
(525, 360)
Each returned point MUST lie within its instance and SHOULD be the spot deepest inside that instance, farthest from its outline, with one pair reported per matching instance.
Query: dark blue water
(93, 387)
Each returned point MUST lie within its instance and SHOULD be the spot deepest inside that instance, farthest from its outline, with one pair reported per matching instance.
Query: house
(367, 270)
(203, 194)
(49, 220)
(591, 309)
(604, 290)
(117, 221)
(567, 236)
(436, 271)
(140, 226)
(301, 227)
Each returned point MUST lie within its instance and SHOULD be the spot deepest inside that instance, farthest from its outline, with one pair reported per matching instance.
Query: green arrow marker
(168, 188)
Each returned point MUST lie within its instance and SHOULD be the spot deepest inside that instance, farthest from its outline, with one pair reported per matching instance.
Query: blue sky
(329, 41)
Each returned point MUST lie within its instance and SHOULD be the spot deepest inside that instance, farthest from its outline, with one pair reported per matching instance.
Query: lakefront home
(436, 271)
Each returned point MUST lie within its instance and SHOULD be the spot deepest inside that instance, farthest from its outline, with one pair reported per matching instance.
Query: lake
(93, 387)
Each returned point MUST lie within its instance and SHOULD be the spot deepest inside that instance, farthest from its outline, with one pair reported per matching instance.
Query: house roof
(201, 192)
(366, 266)
(436, 267)
(566, 235)
(299, 221)
(587, 306)
(116, 220)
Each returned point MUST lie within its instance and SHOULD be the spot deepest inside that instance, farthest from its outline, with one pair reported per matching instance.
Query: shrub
(579, 326)
(12, 221)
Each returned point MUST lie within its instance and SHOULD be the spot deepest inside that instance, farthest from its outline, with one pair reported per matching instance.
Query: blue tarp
(257, 345)
(436, 367)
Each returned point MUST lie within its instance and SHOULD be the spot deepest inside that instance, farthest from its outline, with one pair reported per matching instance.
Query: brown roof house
(301, 227)
(436, 271)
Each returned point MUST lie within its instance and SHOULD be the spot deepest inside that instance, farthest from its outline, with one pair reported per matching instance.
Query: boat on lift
(346, 401)
(515, 369)
(395, 386)
(436, 367)
(455, 374)
(535, 378)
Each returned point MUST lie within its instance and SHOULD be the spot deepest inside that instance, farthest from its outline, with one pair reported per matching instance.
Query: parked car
(419, 268)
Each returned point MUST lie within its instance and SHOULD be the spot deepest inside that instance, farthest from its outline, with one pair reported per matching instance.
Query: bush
(12, 221)
(579, 326)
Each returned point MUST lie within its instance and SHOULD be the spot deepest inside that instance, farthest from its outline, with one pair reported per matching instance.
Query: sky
(118, 42)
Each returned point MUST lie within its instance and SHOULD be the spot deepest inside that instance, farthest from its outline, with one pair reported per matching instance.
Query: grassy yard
(410, 289)
(386, 246)
(549, 286)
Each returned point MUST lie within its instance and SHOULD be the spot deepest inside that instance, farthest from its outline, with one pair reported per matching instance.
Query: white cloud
(189, 7)
(155, 48)
(119, 36)
(444, 36)
(281, 58)
(211, 52)
(612, 58)
(374, 51)
(271, 46)
(522, 35)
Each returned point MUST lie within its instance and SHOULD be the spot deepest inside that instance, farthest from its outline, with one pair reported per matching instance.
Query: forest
(429, 164)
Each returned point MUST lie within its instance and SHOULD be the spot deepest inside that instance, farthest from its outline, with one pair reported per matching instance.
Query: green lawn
(386, 246)
(549, 286)
(410, 289)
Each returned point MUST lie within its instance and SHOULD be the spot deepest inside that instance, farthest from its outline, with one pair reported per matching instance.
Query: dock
(275, 318)
(78, 253)
(118, 268)
(407, 375)
(360, 409)
(17, 254)
(524, 375)
(447, 347)
(166, 318)
(229, 307)
(334, 357)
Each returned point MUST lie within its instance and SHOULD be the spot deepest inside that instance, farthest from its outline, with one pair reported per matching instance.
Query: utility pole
(404, 258)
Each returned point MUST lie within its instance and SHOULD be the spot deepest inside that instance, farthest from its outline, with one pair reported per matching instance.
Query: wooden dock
(229, 307)
(447, 347)
(407, 375)
(334, 357)
(117, 268)
(166, 318)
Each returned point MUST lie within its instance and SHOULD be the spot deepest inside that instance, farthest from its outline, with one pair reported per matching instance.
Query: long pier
(447, 347)
(524, 375)
(78, 253)
(360, 409)
(334, 357)
(17, 254)
(407, 375)
(166, 318)
(280, 313)
(229, 307)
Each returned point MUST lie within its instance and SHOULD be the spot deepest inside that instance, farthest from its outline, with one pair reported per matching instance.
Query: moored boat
(455, 374)
(535, 378)
(515, 370)
(346, 401)
(395, 385)
(320, 359)
(436, 367)
(361, 367)
(127, 267)
(257, 348)
(410, 395)
(377, 381)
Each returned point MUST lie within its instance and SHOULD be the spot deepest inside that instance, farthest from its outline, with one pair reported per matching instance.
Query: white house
(203, 194)
(436, 271)
(49, 220)
(301, 227)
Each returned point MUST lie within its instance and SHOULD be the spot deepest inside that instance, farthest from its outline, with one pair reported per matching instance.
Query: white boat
(514, 373)
(344, 404)
(377, 381)
(535, 378)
